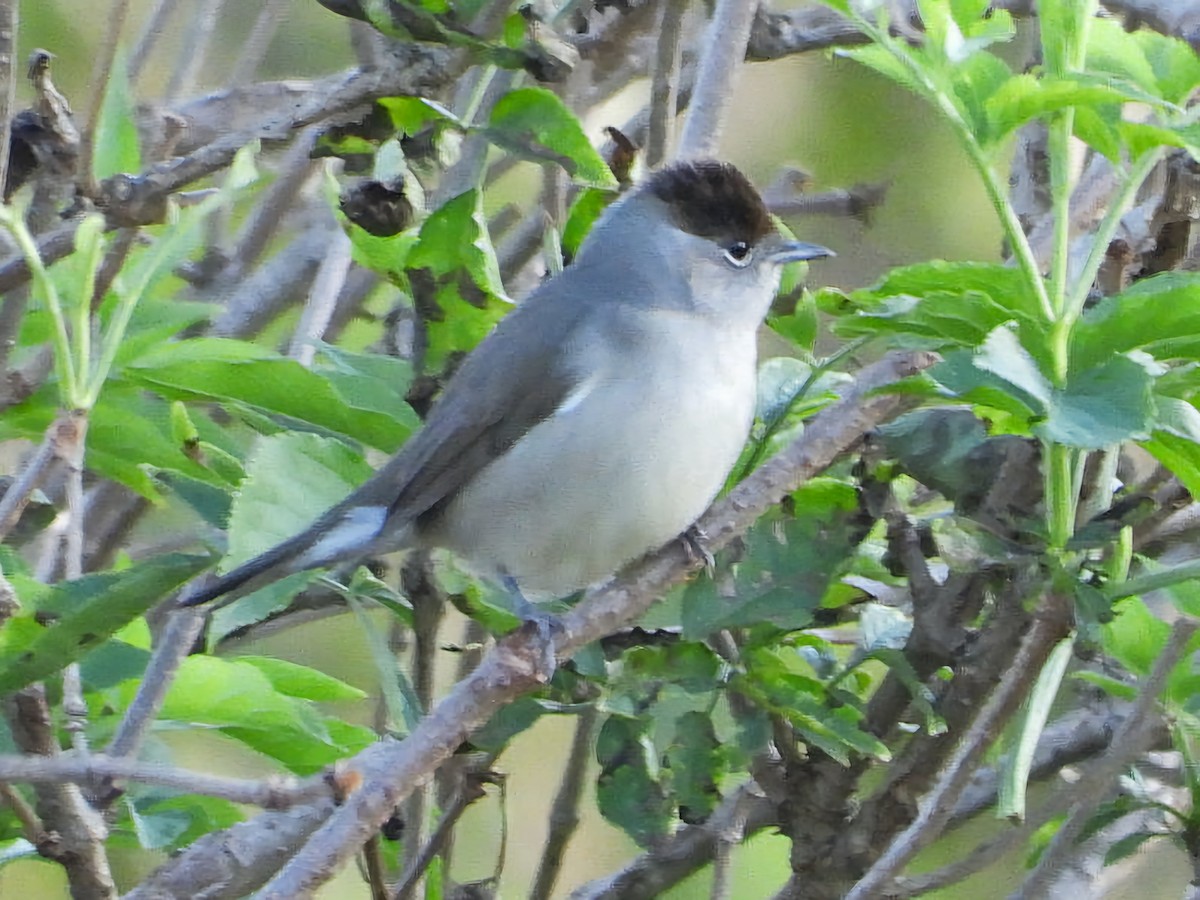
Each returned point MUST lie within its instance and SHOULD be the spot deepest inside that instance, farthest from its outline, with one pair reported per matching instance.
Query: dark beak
(796, 251)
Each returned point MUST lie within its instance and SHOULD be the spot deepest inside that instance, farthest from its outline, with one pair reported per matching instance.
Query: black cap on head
(712, 200)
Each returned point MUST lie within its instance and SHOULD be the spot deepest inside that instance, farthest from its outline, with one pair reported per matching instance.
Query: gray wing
(514, 379)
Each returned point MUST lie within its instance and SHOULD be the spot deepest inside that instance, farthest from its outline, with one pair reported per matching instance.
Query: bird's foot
(695, 545)
(545, 626)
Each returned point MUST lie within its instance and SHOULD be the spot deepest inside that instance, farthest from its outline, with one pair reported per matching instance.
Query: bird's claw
(694, 545)
(545, 626)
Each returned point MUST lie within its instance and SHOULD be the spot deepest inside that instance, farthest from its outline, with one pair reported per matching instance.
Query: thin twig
(31, 825)
(273, 792)
(195, 51)
(664, 84)
(721, 59)
(69, 447)
(263, 223)
(1127, 743)
(471, 789)
(13, 503)
(937, 806)
(183, 627)
(259, 39)
(264, 293)
(9, 19)
(468, 169)
(429, 608)
(322, 298)
(155, 27)
(376, 870)
(564, 812)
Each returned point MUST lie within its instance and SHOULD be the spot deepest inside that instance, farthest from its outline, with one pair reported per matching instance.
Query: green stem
(69, 390)
(87, 240)
(1017, 238)
(1153, 581)
(1060, 494)
(1117, 567)
(1059, 147)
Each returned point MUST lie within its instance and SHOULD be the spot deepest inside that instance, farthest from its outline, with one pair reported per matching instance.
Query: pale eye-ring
(739, 254)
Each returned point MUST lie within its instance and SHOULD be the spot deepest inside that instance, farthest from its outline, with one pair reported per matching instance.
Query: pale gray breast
(630, 459)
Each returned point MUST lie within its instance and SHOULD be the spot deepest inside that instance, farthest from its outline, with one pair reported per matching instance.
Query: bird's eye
(739, 254)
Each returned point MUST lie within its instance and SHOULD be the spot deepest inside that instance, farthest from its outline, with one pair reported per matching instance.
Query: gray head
(700, 224)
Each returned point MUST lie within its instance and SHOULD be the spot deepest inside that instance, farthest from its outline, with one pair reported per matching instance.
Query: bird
(596, 422)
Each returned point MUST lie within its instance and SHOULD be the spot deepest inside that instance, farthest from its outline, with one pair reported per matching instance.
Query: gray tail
(265, 568)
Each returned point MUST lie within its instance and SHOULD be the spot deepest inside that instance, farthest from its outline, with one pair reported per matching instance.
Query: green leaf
(1180, 455)
(369, 381)
(940, 448)
(1175, 63)
(291, 478)
(697, 764)
(1164, 67)
(690, 665)
(628, 792)
(583, 214)
(1127, 846)
(455, 278)
(976, 83)
(801, 325)
(1136, 637)
(507, 722)
(1160, 315)
(111, 663)
(882, 60)
(386, 256)
(86, 612)
(1025, 97)
(128, 438)
(1063, 26)
(296, 680)
(533, 122)
(165, 822)
(411, 114)
(787, 563)
(805, 703)
(1098, 407)
(301, 752)
(1003, 355)
(240, 699)
(1101, 129)
(1122, 690)
(1102, 407)
(116, 138)
(960, 301)
(238, 372)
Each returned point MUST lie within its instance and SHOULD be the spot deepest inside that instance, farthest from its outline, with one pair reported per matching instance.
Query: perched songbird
(597, 421)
